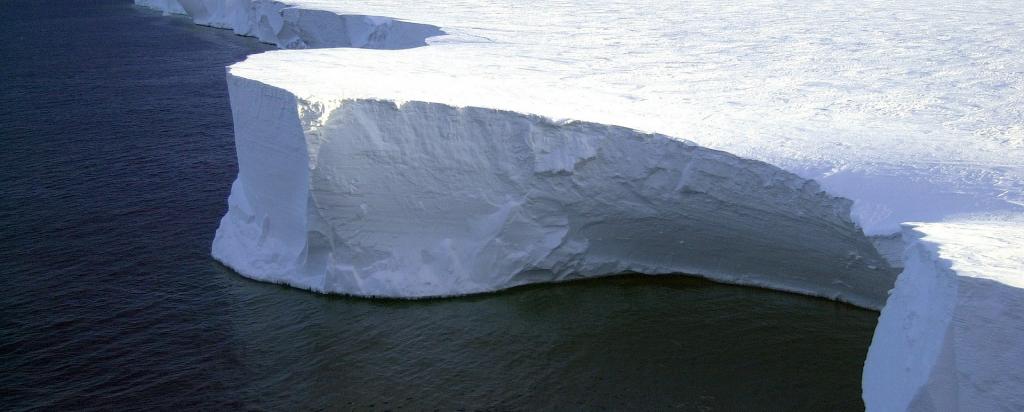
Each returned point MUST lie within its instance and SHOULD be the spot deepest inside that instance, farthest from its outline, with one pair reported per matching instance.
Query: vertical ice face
(270, 200)
(367, 197)
(299, 28)
(950, 336)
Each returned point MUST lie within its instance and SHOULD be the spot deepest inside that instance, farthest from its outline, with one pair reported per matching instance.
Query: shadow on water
(629, 341)
(117, 161)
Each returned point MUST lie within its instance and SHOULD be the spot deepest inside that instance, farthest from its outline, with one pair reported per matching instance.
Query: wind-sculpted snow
(950, 336)
(416, 199)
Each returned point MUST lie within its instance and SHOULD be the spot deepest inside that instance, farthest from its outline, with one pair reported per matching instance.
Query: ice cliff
(414, 199)
(298, 28)
(950, 336)
(524, 146)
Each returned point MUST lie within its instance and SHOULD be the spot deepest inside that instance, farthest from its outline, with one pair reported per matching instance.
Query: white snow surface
(914, 110)
(541, 141)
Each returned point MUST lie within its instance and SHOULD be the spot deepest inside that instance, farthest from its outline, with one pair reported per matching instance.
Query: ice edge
(940, 390)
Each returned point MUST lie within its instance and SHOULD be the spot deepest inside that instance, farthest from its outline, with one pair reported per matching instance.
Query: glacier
(587, 139)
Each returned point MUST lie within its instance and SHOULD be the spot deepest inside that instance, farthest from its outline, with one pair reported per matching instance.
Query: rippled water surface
(115, 165)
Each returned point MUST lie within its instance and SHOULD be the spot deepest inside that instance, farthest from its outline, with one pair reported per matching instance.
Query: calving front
(367, 197)
(538, 144)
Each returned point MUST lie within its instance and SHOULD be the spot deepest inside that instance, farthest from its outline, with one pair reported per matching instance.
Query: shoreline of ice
(944, 144)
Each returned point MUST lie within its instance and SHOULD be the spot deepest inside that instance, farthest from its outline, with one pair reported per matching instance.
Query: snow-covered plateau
(783, 145)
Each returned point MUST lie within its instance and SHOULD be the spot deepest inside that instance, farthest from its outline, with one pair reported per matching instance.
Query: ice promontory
(950, 337)
(415, 199)
(442, 170)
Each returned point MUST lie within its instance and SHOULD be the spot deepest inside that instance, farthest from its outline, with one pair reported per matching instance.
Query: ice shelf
(543, 142)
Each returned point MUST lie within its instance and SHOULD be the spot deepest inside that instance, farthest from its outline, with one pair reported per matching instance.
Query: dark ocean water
(116, 158)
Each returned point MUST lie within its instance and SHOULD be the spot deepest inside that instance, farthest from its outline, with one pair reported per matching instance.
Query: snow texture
(544, 141)
(913, 110)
